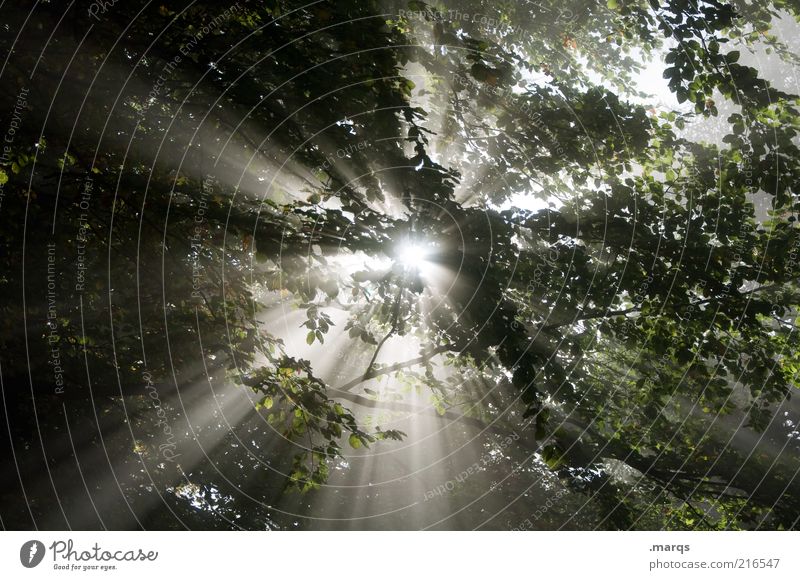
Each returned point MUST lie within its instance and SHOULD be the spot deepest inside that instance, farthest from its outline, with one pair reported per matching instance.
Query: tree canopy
(400, 265)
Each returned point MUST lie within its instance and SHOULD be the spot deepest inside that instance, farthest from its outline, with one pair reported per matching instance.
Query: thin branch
(395, 367)
(392, 330)
(416, 409)
(607, 314)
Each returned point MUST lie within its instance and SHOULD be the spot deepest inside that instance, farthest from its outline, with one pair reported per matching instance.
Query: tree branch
(416, 409)
(392, 330)
(607, 314)
(372, 373)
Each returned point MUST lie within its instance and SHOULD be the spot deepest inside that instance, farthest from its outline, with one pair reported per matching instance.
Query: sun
(412, 255)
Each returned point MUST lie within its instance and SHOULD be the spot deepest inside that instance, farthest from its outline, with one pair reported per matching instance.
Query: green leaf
(267, 402)
(552, 457)
(355, 441)
(3, 177)
(310, 337)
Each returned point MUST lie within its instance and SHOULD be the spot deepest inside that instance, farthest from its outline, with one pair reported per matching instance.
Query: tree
(214, 169)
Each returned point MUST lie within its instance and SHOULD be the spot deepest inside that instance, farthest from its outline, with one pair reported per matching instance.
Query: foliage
(645, 300)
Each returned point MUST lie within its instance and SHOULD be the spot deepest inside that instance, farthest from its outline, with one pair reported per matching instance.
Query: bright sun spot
(412, 255)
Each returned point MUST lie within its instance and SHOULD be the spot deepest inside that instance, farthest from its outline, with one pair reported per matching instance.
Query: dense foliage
(187, 183)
